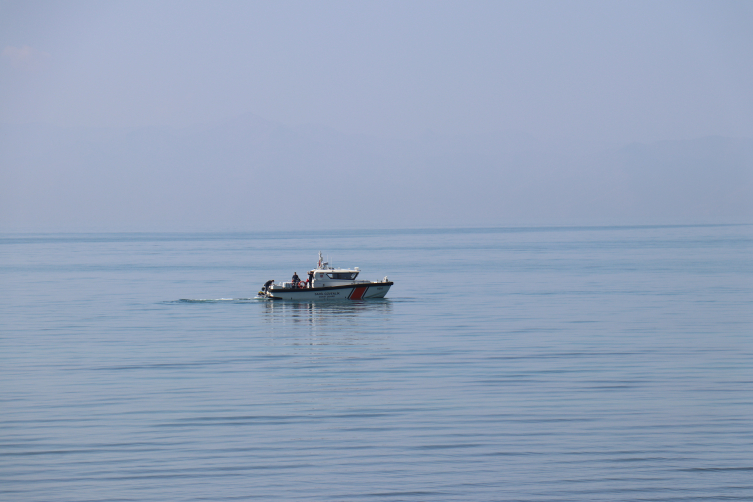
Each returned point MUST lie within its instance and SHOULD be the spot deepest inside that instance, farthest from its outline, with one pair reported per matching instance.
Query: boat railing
(291, 285)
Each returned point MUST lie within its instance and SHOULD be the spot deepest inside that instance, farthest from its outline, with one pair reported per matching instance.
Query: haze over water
(606, 363)
(188, 116)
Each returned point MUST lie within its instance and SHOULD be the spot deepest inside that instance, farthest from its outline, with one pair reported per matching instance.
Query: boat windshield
(343, 276)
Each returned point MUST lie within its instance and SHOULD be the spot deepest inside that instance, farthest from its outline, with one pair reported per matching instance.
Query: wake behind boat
(326, 283)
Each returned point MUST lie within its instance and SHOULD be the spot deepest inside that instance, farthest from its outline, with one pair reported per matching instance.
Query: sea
(505, 364)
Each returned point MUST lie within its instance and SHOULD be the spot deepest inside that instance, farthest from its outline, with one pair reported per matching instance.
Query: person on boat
(296, 279)
(310, 280)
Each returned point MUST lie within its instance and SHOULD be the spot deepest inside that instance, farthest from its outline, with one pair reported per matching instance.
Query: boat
(326, 282)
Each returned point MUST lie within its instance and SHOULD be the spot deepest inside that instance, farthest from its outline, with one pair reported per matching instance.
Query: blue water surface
(526, 364)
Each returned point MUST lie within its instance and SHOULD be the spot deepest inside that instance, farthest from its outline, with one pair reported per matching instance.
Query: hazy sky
(236, 115)
(596, 71)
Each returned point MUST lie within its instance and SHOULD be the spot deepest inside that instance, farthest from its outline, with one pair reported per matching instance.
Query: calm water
(526, 364)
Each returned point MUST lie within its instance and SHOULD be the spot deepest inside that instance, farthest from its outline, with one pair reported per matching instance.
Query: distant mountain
(252, 173)
(710, 179)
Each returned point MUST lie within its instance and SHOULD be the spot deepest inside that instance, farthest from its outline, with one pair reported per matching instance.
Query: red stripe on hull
(358, 292)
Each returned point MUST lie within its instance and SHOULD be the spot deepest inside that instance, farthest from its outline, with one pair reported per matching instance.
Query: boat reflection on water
(331, 314)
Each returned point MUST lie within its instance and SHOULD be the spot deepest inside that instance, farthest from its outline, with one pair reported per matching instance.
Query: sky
(140, 115)
(586, 71)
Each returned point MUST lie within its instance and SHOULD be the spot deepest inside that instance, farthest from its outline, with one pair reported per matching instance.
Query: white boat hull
(361, 291)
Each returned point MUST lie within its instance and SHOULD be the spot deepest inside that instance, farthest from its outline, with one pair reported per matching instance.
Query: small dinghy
(326, 283)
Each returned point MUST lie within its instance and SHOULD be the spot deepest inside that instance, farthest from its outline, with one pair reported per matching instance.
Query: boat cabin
(327, 276)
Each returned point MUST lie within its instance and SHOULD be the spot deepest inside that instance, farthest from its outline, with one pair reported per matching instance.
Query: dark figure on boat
(296, 279)
(265, 288)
